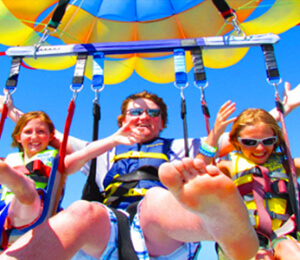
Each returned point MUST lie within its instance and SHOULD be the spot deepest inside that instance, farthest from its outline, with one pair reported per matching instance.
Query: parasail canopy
(113, 21)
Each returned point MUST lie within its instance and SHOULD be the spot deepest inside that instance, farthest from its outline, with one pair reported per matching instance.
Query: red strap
(63, 147)
(42, 168)
(264, 222)
(3, 117)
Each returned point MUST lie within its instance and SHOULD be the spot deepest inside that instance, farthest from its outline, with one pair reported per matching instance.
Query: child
(258, 171)
(200, 203)
(32, 134)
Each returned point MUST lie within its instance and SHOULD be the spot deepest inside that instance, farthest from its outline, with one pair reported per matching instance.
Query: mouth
(33, 145)
(259, 155)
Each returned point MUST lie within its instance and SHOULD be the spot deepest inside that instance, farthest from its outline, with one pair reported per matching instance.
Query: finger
(225, 105)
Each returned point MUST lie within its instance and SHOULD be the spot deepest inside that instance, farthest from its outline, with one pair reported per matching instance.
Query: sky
(244, 83)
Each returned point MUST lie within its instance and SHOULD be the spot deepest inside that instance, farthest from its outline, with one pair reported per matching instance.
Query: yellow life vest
(275, 196)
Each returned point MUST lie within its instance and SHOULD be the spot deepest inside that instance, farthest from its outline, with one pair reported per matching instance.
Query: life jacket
(265, 192)
(134, 171)
(38, 169)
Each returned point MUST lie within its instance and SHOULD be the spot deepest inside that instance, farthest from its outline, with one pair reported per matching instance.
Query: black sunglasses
(152, 112)
(268, 141)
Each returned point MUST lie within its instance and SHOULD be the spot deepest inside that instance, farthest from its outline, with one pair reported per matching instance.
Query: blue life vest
(130, 158)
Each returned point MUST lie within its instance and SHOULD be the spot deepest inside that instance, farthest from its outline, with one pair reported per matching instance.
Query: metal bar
(144, 46)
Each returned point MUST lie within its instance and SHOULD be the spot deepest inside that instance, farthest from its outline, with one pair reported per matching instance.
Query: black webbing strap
(147, 172)
(14, 72)
(130, 180)
(183, 117)
(181, 82)
(58, 13)
(91, 190)
(224, 8)
(270, 61)
(293, 186)
(125, 247)
(201, 82)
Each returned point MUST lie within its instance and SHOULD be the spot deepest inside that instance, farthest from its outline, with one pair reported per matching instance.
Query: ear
(51, 137)
(18, 139)
(237, 145)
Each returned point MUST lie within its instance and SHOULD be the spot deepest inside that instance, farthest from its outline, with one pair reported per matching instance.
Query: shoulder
(77, 144)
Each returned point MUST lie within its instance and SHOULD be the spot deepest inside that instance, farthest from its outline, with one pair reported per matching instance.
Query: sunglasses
(152, 112)
(254, 142)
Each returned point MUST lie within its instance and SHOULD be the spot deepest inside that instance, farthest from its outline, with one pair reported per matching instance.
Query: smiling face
(34, 137)
(149, 126)
(259, 153)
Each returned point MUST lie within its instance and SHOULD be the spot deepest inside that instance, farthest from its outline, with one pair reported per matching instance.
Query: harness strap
(125, 247)
(3, 117)
(130, 180)
(36, 167)
(260, 187)
(136, 154)
(288, 227)
(58, 13)
(147, 172)
(265, 223)
(223, 8)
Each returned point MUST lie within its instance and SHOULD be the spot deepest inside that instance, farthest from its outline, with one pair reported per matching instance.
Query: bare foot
(212, 195)
(197, 186)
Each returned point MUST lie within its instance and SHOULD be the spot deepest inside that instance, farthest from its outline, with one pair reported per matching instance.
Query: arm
(125, 135)
(291, 100)
(297, 166)
(220, 125)
(13, 113)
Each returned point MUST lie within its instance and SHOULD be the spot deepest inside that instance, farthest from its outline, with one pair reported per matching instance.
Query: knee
(287, 247)
(87, 211)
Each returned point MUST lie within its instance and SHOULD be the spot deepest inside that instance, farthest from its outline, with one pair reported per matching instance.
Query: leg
(83, 225)
(20, 185)
(26, 204)
(264, 255)
(287, 250)
(203, 204)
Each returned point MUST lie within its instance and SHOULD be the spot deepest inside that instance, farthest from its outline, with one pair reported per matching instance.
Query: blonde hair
(254, 116)
(147, 95)
(24, 119)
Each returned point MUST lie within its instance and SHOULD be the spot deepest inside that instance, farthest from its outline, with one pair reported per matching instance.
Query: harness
(134, 171)
(265, 192)
(38, 169)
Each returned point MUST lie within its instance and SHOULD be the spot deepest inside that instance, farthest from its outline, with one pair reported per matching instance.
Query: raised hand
(128, 134)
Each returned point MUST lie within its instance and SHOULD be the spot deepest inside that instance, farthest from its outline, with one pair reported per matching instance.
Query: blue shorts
(186, 251)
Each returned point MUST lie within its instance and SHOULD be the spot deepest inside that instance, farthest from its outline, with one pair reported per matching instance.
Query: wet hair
(24, 119)
(147, 95)
(254, 116)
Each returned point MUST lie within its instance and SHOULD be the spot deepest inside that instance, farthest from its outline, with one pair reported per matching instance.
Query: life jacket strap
(139, 154)
(123, 184)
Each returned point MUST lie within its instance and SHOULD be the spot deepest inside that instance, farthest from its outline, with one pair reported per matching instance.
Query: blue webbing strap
(181, 83)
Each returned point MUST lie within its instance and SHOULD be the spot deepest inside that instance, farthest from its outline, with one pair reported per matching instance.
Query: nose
(260, 146)
(34, 134)
(144, 114)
